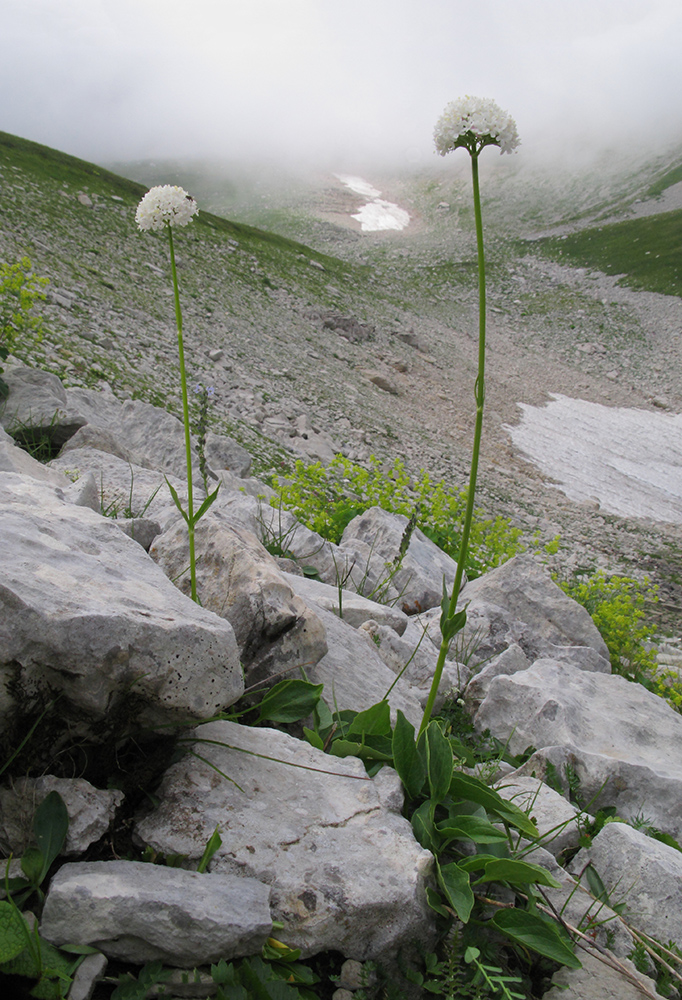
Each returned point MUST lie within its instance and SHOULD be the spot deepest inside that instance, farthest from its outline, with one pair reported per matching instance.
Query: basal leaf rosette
(166, 205)
(472, 123)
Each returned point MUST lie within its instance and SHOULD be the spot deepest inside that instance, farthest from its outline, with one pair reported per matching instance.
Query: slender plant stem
(185, 417)
(479, 393)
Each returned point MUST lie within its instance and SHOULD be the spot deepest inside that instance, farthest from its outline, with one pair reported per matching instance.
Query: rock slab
(141, 913)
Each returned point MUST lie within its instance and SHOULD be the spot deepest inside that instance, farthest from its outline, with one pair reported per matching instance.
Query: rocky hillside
(363, 343)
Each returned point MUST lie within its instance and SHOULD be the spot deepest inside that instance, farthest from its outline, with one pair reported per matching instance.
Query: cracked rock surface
(345, 870)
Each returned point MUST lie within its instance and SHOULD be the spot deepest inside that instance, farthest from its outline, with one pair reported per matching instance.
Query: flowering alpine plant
(166, 207)
(470, 123)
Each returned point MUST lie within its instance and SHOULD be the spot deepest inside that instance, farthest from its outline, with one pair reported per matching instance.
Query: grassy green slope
(647, 251)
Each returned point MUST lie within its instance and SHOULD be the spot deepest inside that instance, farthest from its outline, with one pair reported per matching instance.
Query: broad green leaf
(365, 751)
(435, 902)
(322, 717)
(289, 701)
(539, 935)
(406, 759)
(313, 738)
(13, 930)
(476, 862)
(474, 828)
(456, 885)
(50, 825)
(32, 864)
(374, 721)
(423, 826)
(464, 786)
(439, 761)
(516, 873)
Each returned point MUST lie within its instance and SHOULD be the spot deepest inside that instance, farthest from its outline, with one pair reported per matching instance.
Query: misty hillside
(370, 337)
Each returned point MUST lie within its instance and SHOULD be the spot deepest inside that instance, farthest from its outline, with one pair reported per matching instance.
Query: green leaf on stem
(50, 825)
(406, 759)
(176, 500)
(289, 701)
(464, 786)
(537, 933)
(473, 828)
(456, 885)
(518, 873)
(374, 721)
(206, 504)
(439, 761)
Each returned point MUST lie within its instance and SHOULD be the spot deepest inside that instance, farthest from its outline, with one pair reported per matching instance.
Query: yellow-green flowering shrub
(327, 498)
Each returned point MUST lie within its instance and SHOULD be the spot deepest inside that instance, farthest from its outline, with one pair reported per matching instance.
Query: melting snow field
(376, 214)
(629, 460)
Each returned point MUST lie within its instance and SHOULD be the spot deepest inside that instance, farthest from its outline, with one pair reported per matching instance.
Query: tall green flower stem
(451, 622)
(185, 418)
(164, 207)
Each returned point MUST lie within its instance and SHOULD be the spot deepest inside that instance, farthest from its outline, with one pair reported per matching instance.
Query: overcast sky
(338, 83)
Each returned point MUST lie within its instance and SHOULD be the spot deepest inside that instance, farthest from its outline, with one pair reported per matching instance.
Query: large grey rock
(598, 980)
(555, 818)
(15, 459)
(355, 676)
(622, 741)
(90, 810)
(140, 912)
(509, 661)
(354, 609)
(85, 613)
(280, 532)
(642, 872)
(37, 405)
(415, 582)
(579, 908)
(345, 870)
(412, 656)
(224, 453)
(126, 489)
(519, 603)
(240, 581)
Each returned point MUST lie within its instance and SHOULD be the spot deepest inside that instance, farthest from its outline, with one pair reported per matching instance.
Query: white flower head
(166, 205)
(472, 123)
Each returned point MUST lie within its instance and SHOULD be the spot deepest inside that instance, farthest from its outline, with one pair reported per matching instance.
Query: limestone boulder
(352, 607)
(538, 615)
(91, 811)
(223, 452)
(15, 459)
(141, 913)
(413, 657)
(621, 740)
(86, 614)
(599, 980)
(555, 817)
(641, 871)
(240, 581)
(37, 406)
(345, 870)
(126, 490)
(355, 676)
(372, 543)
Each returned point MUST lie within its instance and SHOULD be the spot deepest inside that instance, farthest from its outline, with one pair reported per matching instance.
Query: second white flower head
(475, 122)
(167, 205)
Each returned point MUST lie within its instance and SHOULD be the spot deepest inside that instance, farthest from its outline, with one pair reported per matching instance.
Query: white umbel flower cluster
(166, 205)
(472, 123)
